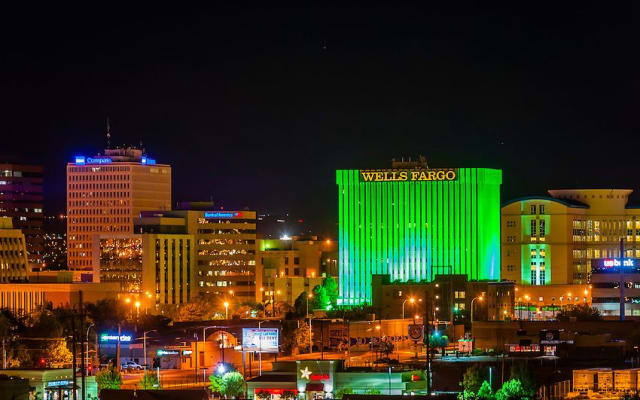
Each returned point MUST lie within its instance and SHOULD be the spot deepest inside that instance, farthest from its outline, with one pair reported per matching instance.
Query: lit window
(533, 209)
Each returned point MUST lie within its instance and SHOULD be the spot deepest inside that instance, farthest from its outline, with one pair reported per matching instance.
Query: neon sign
(408, 175)
(82, 160)
(106, 337)
(147, 161)
(319, 377)
(222, 214)
(616, 262)
(162, 352)
(58, 383)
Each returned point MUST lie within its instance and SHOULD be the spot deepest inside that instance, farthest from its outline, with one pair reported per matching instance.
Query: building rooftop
(566, 202)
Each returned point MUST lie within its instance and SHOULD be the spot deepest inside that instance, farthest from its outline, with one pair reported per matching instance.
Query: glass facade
(417, 229)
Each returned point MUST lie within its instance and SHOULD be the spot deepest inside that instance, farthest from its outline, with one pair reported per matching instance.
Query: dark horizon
(257, 107)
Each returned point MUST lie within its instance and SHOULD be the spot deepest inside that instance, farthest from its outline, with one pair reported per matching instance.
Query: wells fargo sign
(410, 175)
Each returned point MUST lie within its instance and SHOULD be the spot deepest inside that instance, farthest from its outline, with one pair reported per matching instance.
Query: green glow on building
(415, 230)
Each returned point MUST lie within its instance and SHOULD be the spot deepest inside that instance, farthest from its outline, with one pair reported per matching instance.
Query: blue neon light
(80, 160)
(147, 161)
(102, 160)
(111, 337)
(221, 214)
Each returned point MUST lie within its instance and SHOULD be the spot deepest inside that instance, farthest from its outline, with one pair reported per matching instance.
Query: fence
(555, 391)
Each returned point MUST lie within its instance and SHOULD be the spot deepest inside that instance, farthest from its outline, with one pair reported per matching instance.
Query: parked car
(131, 366)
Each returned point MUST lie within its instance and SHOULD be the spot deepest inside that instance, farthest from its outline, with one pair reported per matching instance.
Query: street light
(87, 351)
(137, 309)
(527, 298)
(144, 346)
(474, 299)
(410, 300)
(309, 296)
(226, 310)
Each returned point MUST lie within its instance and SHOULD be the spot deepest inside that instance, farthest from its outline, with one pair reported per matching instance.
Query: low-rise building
(53, 384)
(13, 253)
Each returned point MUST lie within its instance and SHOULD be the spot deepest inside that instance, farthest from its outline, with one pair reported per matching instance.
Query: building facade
(292, 266)
(414, 223)
(13, 253)
(21, 198)
(104, 195)
(608, 277)
(225, 247)
(551, 240)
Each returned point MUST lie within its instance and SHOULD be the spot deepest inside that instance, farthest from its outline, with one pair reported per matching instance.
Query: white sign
(263, 340)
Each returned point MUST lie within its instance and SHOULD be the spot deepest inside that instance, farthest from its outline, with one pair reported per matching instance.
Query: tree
(296, 340)
(216, 384)
(485, 392)
(233, 384)
(106, 314)
(472, 379)
(193, 311)
(523, 374)
(58, 353)
(581, 312)
(149, 381)
(300, 304)
(439, 341)
(108, 378)
(331, 288)
(150, 322)
(512, 390)
(373, 391)
(320, 299)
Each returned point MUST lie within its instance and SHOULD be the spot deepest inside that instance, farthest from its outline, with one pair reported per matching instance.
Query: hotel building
(104, 195)
(413, 223)
(13, 253)
(21, 199)
(551, 240)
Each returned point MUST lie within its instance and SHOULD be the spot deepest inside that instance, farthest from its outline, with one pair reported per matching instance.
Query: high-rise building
(106, 192)
(551, 240)
(414, 223)
(21, 199)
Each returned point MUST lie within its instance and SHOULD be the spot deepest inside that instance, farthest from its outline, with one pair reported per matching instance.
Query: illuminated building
(225, 247)
(21, 199)
(13, 253)
(154, 268)
(449, 297)
(606, 276)
(414, 223)
(543, 302)
(106, 192)
(550, 240)
(292, 266)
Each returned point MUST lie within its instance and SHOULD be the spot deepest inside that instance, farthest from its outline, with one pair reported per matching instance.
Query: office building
(414, 223)
(13, 253)
(104, 195)
(225, 247)
(293, 265)
(21, 199)
(550, 240)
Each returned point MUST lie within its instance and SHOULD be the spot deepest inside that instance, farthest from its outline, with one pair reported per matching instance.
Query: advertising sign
(415, 332)
(413, 175)
(263, 340)
(113, 338)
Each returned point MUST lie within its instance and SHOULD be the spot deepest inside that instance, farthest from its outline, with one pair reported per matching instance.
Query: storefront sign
(415, 332)
(222, 214)
(163, 352)
(608, 265)
(412, 175)
(319, 377)
(263, 340)
(187, 352)
(58, 383)
(107, 338)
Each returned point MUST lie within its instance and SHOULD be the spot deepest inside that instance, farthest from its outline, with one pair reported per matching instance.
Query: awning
(315, 387)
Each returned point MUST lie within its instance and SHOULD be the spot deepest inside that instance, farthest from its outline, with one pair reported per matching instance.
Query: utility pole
(622, 283)
(118, 348)
(75, 362)
(427, 331)
(82, 353)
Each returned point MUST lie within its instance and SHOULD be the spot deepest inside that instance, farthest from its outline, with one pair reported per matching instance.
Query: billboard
(263, 340)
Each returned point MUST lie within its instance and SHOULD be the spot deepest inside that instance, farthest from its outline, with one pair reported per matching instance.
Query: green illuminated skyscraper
(414, 224)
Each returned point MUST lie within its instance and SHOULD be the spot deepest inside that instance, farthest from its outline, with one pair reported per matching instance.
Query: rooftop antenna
(108, 134)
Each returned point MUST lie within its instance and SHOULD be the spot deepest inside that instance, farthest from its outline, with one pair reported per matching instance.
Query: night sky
(257, 106)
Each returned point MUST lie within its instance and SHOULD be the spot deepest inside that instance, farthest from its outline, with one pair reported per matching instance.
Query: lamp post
(274, 300)
(226, 310)
(309, 296)
(527, 298)
(137, 309)
(204, 341)
(87, 344)
(474, 299)
(144, 346)
(410, 300)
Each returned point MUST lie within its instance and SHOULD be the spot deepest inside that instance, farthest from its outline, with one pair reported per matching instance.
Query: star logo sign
(305, 373)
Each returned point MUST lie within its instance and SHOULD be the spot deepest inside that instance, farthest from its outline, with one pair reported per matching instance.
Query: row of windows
(225, 252)
(98, 220)
(98, 177)
(99, 228)
(533, 208)
(98, 203)
(98, 211)
(99, 186)
(83, 195)
(226, 231)
(225, 241)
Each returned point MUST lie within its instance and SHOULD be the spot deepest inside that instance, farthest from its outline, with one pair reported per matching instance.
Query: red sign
(319, 377)
(276, 391)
